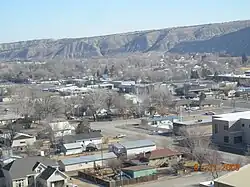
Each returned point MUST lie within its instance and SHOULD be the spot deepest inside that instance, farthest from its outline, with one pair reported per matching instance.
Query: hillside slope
(202, 38)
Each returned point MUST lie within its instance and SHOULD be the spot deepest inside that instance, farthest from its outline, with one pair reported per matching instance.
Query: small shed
(85, 162)
(139, 171)
(72, 148)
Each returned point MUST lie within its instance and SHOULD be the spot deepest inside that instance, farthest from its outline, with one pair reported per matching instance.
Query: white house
(73, 148)
(22, 140)
(51, 177)
(85, 162)
(130, 148)
(62, 128)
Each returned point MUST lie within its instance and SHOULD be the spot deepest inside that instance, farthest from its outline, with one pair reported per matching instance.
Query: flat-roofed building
(232, 129)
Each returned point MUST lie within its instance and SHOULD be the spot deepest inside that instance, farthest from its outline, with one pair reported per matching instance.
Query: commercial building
(232, 130)
(85, 162)
(139, 171)
(130, 148)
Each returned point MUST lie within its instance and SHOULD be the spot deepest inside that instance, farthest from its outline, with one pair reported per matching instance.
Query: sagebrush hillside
(230, 37)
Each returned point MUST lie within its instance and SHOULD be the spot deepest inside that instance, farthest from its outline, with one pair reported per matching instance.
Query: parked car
(210, 113)
(91, 149)
(121, 136)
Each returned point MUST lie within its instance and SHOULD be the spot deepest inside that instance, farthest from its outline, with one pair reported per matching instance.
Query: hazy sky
(36, 19)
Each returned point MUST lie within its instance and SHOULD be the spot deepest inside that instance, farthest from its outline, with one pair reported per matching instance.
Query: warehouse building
(139, 171)
(130, 148)
(85, 162)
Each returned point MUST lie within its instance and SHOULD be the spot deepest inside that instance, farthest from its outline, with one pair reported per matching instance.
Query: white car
(121, 136)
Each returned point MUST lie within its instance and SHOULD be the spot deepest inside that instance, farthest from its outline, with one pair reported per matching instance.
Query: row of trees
(32, 102)
(197, 145)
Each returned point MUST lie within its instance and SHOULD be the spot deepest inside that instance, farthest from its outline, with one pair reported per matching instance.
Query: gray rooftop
(82, 136)
(76, 145)
(88, 158)
(137, 144)
(22, 167)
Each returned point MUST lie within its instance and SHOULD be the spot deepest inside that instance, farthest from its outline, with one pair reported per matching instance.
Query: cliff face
(231, 37)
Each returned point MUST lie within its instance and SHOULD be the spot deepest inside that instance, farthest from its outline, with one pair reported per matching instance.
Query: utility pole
(234, 104)
(102, 152)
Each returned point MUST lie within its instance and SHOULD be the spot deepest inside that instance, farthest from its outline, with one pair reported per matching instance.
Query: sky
(32, 19)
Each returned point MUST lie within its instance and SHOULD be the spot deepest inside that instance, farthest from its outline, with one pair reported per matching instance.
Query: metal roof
(163, 118)
(77, 145)
(82, 137)
(89, 158)
(137, 144)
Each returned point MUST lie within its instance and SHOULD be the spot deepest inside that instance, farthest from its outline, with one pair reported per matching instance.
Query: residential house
(7, 156)
(8, 118)
(72, 148)
(130, 148)
(161, 157)
(91, 137)
(139, 171)
(85, 162)
(232, 130)
(22, 140)
(24, 171)
(51, 177)
(164, 122)
(234, 178)
(62, 128)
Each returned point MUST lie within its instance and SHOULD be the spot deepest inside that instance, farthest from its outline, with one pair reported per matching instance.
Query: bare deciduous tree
(71, 104)
(162, 99)
(83, 126)
(25, 99)
(48, 105)
(95, 100)
(214, 159)
(196, 144)
(115, 165)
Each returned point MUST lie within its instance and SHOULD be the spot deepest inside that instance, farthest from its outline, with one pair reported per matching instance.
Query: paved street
(186, 181)
(113, 128)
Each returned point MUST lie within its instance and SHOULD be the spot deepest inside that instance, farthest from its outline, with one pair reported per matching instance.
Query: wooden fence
(115, 183)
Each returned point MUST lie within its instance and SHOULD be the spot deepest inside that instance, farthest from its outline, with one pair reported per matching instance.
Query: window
(19, 183)
(226, 139)
(22, 142)
(243, 125)
(238, 139)
(226, 127)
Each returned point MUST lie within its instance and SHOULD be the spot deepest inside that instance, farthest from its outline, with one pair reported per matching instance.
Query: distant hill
(231, 37)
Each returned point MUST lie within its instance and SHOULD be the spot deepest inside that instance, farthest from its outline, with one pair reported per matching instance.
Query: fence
(136, 180)
(114, 183)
